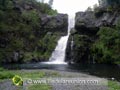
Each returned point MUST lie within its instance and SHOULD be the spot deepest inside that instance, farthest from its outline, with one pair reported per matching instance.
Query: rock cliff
(85, 35)
(29, 31)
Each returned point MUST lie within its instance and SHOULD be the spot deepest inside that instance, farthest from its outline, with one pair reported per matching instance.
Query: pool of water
(101, 70)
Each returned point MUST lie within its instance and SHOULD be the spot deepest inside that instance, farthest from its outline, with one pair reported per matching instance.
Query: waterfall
(58, 55)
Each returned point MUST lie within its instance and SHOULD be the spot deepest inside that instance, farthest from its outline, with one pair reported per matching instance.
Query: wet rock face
(79, 52)
(83, 19)
(58, 23)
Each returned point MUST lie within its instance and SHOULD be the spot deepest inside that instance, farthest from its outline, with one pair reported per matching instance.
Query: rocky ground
(7, 84)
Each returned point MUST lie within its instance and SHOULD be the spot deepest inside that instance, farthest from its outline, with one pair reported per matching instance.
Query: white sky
(72, 6)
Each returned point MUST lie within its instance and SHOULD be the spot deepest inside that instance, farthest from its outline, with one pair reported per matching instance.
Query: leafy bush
(113, 85)
(45, 8)
(89, 9)
(106, 49)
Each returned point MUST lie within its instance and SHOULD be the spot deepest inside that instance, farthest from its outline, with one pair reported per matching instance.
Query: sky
(72, 6)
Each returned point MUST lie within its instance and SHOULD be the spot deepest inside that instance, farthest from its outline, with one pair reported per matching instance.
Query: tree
(2, 4)
(50, 2)
(89, 9)
(106, 48)
(95, 7)
(109, 2)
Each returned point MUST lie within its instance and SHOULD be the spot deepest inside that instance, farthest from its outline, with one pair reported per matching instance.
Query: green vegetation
(32, 74)
(9, 74)
(102, 47)
(110, 2)
(99, 11)
(110, 5)
(81, 48)
(21, 31)
(113, 85)
(113, 2)
(39, 87)
(45, 46)
(107, 48)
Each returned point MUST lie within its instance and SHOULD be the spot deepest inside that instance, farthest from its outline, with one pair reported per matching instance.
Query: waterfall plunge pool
(100, 70)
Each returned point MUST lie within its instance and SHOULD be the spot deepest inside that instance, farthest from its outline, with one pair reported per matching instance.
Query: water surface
(100, 70)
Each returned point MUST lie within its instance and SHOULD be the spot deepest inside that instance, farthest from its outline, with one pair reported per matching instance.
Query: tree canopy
(110, 2)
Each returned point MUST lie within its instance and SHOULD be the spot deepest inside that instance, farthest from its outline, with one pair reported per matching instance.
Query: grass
(9, 74)
(39, 87)
(1, 69)
(52, 74)
(114, 85)
(117, 62)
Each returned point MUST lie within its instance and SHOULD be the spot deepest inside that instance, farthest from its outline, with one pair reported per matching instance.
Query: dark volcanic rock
(78, 48)
(88, 23)
(89, 20)
(58, 23)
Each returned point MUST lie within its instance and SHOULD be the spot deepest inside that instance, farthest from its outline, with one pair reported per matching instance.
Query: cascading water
(58, 55)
